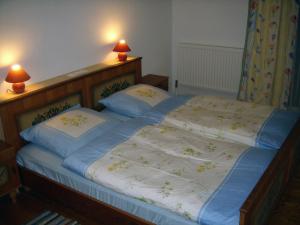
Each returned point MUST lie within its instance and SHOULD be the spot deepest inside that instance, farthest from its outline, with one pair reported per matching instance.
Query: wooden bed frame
(255, 210)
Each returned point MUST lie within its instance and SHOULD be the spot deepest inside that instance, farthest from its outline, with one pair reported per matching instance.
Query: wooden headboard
(85, 86)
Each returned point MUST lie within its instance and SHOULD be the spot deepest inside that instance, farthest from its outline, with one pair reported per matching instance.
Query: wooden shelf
(40, 86)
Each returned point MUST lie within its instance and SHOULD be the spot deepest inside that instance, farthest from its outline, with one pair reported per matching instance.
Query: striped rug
(51, 218)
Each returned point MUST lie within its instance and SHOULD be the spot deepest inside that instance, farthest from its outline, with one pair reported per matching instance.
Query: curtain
(295, 92)
(268, 63)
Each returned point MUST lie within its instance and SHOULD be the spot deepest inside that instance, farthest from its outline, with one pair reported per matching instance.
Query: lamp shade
(16, 75)
(121, 46)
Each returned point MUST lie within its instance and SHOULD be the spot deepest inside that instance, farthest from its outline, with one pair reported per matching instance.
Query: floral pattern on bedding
(222, 104)
(148, 94)
(75, 122)
(220, 118)
(167, 170)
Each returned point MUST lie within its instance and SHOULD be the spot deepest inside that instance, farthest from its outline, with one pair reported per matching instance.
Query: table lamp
(17, 76)
(122, 47)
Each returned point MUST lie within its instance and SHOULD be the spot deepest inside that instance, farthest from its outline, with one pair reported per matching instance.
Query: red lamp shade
(17, 76)
(122, 48)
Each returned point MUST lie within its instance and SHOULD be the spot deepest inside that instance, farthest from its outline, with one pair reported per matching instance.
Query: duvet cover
(237, 121)
(203, 179)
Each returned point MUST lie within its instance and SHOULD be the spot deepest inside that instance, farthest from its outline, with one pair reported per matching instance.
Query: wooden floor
(30, 205)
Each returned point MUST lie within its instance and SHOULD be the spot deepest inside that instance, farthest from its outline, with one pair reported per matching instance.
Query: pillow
(136, 100)
(69, 131)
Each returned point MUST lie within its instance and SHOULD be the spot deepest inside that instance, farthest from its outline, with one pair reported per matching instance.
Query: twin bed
(151, 158)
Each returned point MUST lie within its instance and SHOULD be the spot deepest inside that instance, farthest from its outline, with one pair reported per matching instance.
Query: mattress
(38, 159)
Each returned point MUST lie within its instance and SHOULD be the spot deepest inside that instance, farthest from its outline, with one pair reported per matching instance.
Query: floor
(30, 205)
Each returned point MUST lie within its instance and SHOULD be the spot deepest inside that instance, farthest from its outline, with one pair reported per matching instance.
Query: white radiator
(210, 67)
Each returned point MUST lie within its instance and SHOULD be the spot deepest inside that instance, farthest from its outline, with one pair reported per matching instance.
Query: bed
(87, 90)
(134, 159)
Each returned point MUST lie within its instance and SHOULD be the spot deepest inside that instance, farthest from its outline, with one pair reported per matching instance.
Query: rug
(51, 218)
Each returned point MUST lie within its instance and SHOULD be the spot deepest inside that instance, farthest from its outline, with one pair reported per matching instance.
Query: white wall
(53, 37)
(208, 22)
(212, 22)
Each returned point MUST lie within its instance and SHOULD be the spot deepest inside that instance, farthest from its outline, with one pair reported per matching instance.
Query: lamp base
(122, 56)
(18, 88)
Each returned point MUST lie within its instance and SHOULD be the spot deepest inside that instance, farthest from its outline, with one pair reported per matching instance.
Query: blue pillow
(69, 131)
(136, 100)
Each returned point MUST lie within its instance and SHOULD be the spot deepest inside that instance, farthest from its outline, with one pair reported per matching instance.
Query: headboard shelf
(78, 87)
(65, 78)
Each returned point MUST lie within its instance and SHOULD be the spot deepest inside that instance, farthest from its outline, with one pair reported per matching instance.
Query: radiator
(210, 67)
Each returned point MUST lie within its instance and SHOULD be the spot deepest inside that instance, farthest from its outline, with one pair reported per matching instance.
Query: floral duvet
(237, 121)
(203, 179)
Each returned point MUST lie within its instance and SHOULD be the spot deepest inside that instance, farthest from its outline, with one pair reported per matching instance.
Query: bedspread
(203, 179)
(221, 118)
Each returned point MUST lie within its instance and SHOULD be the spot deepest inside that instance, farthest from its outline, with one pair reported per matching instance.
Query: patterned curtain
(295, 92)
(268, 64)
